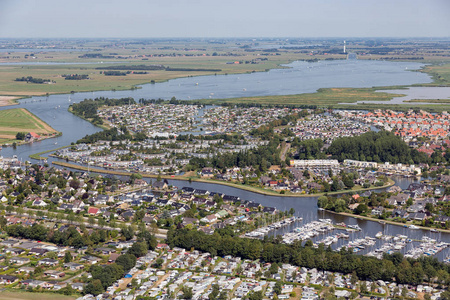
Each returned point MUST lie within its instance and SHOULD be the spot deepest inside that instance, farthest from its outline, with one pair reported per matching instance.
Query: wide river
(300, 77)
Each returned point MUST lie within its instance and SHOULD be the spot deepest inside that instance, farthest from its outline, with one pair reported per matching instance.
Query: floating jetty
(398, 243)
(308, 231)
(428, 248)
(331, 239)
(261, 232)
(359, 244)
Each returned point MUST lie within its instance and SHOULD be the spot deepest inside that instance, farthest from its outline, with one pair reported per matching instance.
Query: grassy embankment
(39, 155)
(17, 120)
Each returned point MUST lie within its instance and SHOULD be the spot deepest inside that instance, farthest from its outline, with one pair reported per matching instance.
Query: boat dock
(261, 232)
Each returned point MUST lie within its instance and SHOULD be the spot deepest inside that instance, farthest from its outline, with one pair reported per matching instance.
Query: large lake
(300, 77)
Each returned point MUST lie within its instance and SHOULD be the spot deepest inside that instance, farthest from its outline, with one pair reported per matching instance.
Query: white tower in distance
(344, 47)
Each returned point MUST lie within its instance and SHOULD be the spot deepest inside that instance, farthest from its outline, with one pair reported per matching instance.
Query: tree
(138, 249)
(127, 232)
(273, 268)
(95, 287)
(354, 278)
(362, 208)
(20, 136)
(445, 295)
(158, 263)
(363, 288)
(255, 295)
(187, 293)
(348, 181)
(278, 287)
(214, 293)
(127, 261)
(67, 257)
(223, 295)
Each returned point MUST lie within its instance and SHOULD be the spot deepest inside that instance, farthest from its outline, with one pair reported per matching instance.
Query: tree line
(271, 250)
(33, 80)
(261, 158)
(382, 146)
(68, 237)
(88, 107)
(75, 76)
(133, 67)
(112, 134)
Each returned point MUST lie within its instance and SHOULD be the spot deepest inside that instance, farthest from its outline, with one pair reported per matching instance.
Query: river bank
(257, 190)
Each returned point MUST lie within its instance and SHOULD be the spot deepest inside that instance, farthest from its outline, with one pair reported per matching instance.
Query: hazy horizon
(230, 19)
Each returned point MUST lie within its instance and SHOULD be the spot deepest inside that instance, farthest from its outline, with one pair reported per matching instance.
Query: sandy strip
(7, 100)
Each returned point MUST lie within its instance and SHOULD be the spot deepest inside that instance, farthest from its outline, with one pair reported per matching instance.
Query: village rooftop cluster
(422, 130)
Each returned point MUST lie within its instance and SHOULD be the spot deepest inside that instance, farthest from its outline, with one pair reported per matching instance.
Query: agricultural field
(194, 56)
(17, 120)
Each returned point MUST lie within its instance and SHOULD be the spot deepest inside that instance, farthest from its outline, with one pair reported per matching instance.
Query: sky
(223, 18)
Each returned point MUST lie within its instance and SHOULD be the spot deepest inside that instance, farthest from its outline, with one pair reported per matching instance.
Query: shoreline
(230, 184)
(278, 66)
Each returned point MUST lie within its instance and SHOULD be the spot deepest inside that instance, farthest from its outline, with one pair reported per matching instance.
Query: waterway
(300, 77)
(306, 208)
(416, 92)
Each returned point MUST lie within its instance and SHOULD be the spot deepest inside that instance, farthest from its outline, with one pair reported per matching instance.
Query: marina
(428, 248)
(265, 230)
(319, 232)
(307, 231)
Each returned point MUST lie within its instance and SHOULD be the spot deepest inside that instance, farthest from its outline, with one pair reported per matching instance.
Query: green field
(440, 72)
(19, 295)
(17, 120)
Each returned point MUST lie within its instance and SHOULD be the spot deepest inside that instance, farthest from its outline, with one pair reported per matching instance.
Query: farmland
(21, 120)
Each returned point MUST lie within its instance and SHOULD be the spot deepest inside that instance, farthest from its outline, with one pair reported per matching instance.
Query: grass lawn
(19, 295)
(17, 120)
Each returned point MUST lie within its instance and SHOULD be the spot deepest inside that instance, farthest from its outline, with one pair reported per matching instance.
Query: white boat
(413, 227)
(356, 227)
(379, 235)
(328, 221)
